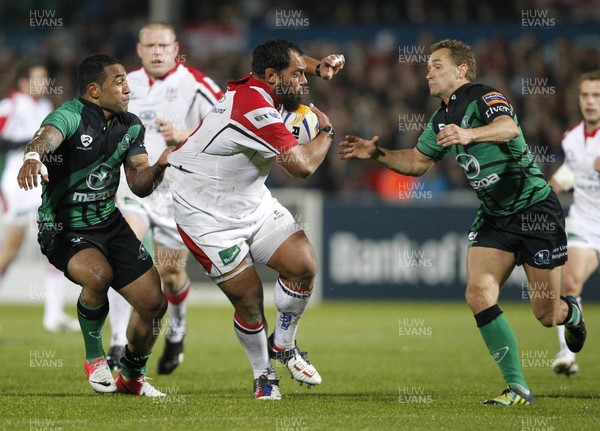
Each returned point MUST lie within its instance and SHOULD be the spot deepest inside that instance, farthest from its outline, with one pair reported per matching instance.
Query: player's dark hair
(91, 69)
(460, 53)
(275, 54)
(593, 75)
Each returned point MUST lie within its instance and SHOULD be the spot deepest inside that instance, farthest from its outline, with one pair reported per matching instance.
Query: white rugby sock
(119, 314)
(54, 298)
(253, 339)
(290, 307)
(177, 310)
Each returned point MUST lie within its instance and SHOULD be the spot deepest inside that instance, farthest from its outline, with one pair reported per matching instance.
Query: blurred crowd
(382, 91)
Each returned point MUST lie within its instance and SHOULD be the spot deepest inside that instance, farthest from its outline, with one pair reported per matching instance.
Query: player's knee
(99, 276)
(170, 276)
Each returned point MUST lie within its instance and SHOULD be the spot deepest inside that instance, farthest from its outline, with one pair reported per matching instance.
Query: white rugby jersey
(220, 170)
(21, 116)
(581, 149)
(182, 96)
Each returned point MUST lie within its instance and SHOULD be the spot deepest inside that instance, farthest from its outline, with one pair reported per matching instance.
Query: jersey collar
(250, 81)
(590, 134)
(457, 93)
(170, 72)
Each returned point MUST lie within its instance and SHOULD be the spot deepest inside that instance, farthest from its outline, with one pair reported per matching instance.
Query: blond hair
(460, 53)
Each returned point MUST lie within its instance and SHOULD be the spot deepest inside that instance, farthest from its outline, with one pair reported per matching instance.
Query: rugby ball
(302, 123)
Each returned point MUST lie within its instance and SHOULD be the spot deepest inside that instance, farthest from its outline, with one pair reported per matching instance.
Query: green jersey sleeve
(66, 118)
(427, 143)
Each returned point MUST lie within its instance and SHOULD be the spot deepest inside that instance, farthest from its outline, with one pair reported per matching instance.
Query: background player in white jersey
(580, 172)
(21, 114)
(171, 99)
(228, 218)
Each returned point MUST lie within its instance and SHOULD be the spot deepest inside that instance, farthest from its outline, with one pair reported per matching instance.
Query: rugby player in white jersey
(171, 99)
(580, 172)
(228, 218)
(21, 114)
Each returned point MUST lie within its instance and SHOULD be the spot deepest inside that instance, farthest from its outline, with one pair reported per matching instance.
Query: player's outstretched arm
(407, 162)
(143, 178)
(45, 140)
(303, 160)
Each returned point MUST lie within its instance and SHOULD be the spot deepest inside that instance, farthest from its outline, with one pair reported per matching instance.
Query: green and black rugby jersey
(84, 170)
(504, 175)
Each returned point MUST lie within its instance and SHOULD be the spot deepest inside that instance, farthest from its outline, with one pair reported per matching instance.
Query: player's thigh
(487, 270)
(13, 237)
(295, 258)
(579, 267)
(280, 243)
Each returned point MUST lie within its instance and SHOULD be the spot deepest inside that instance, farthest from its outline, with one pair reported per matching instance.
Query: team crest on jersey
(171, 94)
(493, 98)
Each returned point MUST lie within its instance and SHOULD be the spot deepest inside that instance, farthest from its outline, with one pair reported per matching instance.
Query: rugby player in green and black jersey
(83, 144)
(477, 125)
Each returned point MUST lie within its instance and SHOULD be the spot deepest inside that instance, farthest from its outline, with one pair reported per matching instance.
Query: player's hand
(597, 164)
(331, 65)
(173, 135)
(321, 117)
(28, 174)
(162, 161)
(355, 147)
(453, 135)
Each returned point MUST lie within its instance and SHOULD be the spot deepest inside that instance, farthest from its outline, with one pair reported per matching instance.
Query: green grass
(374, 378)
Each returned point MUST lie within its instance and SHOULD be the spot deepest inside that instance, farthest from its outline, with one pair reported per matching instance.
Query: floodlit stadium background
(377, 234)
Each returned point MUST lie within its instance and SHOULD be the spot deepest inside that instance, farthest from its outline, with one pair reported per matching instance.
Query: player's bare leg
(296, 264)
(120, 310)
(246, 295)
(487, 270)
(581, 265)
(12, 241)
(176, 285)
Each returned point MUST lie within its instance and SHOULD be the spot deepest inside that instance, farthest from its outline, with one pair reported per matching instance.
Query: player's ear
(462, 70)
(271, 76)
(94, 90)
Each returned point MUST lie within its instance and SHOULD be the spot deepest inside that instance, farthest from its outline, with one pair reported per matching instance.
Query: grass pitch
(385, 366)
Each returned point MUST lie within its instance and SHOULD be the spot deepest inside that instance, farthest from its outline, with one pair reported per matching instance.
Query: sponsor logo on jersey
(495, 109)
(472, 236)
(441, 126)
(493, 98)
(485, 182)
(262, 117)
(542, 257)
(469, 164)
(91, 197)
(86, 140)
(100, 176)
